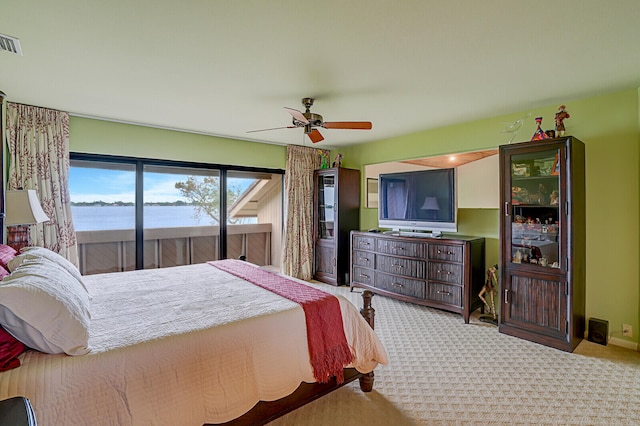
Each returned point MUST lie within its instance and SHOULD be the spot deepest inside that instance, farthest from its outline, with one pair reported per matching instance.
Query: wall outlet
(627, 331)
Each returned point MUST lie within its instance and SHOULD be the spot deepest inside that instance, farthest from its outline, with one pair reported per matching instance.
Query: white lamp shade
(430, 203)
(23, 208)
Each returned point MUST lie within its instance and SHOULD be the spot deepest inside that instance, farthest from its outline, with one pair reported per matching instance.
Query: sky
(92, 184)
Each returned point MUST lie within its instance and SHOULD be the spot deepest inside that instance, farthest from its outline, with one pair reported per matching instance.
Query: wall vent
(10, 44)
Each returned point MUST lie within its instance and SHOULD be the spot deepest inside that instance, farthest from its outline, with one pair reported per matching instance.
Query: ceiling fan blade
(315, 136)
(297, 115)
(273, 128)
(354, 125)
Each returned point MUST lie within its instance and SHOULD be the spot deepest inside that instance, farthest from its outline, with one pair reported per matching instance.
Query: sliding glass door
(181, 215)
(103, 206)
(254, 216)
(134, 214)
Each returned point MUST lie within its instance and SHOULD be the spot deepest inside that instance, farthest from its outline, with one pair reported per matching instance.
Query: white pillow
(46, 308)
(36, 252)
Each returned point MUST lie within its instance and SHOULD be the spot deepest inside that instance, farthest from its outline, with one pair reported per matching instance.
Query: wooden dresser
(445, 273)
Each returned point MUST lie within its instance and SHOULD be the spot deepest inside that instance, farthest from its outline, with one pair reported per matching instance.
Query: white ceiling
(226, 67)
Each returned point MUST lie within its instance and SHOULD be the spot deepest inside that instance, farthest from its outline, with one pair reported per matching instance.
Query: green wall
(609, 127)
(607, 124)
(106, 137)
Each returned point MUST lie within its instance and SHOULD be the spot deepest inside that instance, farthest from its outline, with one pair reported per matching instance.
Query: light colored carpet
(445, 372)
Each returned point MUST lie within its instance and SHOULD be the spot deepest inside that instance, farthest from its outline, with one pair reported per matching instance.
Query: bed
(184, 345)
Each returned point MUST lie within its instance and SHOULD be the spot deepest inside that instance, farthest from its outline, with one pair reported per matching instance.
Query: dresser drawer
(363, 258)
(361, 242)
(401, 266)
(447, 272)
(401, 248)
(449, 294)
(399, 285)
(363, 276)
(450, 253)
(444, 273)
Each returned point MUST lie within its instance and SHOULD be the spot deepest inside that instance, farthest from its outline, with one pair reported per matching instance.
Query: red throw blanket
(10, 348)
(328, 347)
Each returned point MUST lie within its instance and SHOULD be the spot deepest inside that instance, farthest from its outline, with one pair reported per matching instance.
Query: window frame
(140, 163)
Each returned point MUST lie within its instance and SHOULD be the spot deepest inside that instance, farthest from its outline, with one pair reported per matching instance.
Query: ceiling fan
(309, 121)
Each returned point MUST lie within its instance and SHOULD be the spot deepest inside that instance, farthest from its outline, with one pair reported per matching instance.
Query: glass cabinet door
(326, 206)
(535, 208)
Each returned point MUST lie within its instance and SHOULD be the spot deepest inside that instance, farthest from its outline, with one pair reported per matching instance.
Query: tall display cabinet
(336, 203)
(542, 241)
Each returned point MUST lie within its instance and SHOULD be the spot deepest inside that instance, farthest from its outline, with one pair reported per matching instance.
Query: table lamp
(23, 210)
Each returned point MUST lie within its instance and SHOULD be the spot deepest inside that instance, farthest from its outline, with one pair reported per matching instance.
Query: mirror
(372, 193)
(478, 176)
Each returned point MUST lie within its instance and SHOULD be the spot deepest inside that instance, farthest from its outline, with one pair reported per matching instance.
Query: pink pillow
(6, 254)
(10, 348)
(3, 273)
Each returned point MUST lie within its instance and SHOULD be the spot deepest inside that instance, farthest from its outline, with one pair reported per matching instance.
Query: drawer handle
(397, 285)
(449, 252)
(397, 248)
(445, 272)
(364, 276)
(364, 243)
(363, 258)
(446, 293)
(397, 265)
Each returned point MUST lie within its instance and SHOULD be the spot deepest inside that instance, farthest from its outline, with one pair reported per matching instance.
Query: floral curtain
(298, 244)
(38, 142)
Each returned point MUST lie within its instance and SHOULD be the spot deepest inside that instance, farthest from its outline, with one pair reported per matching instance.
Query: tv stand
(445, 273)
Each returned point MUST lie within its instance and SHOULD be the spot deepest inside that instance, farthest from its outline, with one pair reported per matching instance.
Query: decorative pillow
(46, 308)
(36, 252)
(10, 348)
(3, 273)
(6, 254)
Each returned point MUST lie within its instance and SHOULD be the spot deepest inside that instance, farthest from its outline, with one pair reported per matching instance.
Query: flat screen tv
(418, 201)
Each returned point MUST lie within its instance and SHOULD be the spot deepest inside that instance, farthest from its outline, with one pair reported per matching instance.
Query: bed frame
(264, 412)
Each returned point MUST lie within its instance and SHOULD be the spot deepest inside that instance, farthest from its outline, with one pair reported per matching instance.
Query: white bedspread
(179, 346)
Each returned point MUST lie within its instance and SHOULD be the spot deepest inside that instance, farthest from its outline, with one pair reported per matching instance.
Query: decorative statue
(325, 160)
(490, 287)
(337, 162)
(561, 115)
(539, 134)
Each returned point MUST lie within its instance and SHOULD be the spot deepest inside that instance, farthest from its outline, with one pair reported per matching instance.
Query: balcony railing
(114, 250)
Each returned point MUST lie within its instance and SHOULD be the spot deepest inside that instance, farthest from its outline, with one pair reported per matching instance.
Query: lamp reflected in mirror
(23, 210)
(431, 206)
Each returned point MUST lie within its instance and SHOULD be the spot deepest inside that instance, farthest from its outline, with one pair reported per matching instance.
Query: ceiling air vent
(10, 44)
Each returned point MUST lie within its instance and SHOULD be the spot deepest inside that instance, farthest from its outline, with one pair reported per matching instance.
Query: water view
(92, 218)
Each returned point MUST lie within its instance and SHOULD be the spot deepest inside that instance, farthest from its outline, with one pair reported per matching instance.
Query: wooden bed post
(367, 311)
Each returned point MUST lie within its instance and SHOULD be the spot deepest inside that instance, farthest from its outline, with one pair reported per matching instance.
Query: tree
(204, 193)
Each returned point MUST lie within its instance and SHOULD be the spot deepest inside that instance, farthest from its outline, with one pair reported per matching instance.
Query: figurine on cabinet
(542, 195)
(561, 115)
(539, 134)
(554, 198)
(337, 162)
(324, 156)
(517, 258)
